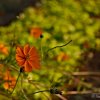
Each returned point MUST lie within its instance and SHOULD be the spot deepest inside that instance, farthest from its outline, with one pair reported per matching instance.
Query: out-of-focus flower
(3, 49)
(28, 58)
(36, 32)
(1, 65)
(62, 57)
(9, 81)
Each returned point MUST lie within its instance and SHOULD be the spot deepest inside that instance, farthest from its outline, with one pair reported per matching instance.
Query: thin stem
(43, 91)
(16, 83)
(25, 96)
(8, 84)
(39, 91)
(13, 68)
(41, 52)
(58, 46)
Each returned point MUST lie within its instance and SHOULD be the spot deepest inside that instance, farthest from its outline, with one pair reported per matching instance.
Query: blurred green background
(60, 21)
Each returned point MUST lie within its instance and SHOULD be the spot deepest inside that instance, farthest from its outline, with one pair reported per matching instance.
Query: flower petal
(34, 59)
(27, 66)
(6, 85)
(36, 32)
(33, 51)
(26, 49)
(18, 57)
(20, 60)
(19, 51)
(35, 64)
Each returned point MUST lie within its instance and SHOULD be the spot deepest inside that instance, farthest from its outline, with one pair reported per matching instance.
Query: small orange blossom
(28, 58)
(62, 57)
(9, 80)
(36, 32)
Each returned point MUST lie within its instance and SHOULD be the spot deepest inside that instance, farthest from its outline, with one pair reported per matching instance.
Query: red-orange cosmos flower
(28, 58)
(36, 32)
(9, 81)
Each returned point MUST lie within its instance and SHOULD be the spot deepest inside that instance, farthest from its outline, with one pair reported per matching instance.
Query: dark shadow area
(9, 9)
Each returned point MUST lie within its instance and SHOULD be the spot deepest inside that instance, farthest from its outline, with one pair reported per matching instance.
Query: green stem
(39, 91)
(16, 83)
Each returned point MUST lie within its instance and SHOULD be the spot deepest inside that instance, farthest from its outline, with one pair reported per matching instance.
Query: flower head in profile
(10, 81)
(36, 32)
(28, 58)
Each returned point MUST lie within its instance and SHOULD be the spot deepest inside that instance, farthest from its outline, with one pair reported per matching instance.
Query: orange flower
(62, 57)
(3, 49)
(9, 81)
(1, 65)
(36, 32)
(28, 58)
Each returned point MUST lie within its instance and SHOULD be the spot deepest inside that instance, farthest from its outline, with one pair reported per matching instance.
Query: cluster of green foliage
(61, 21)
